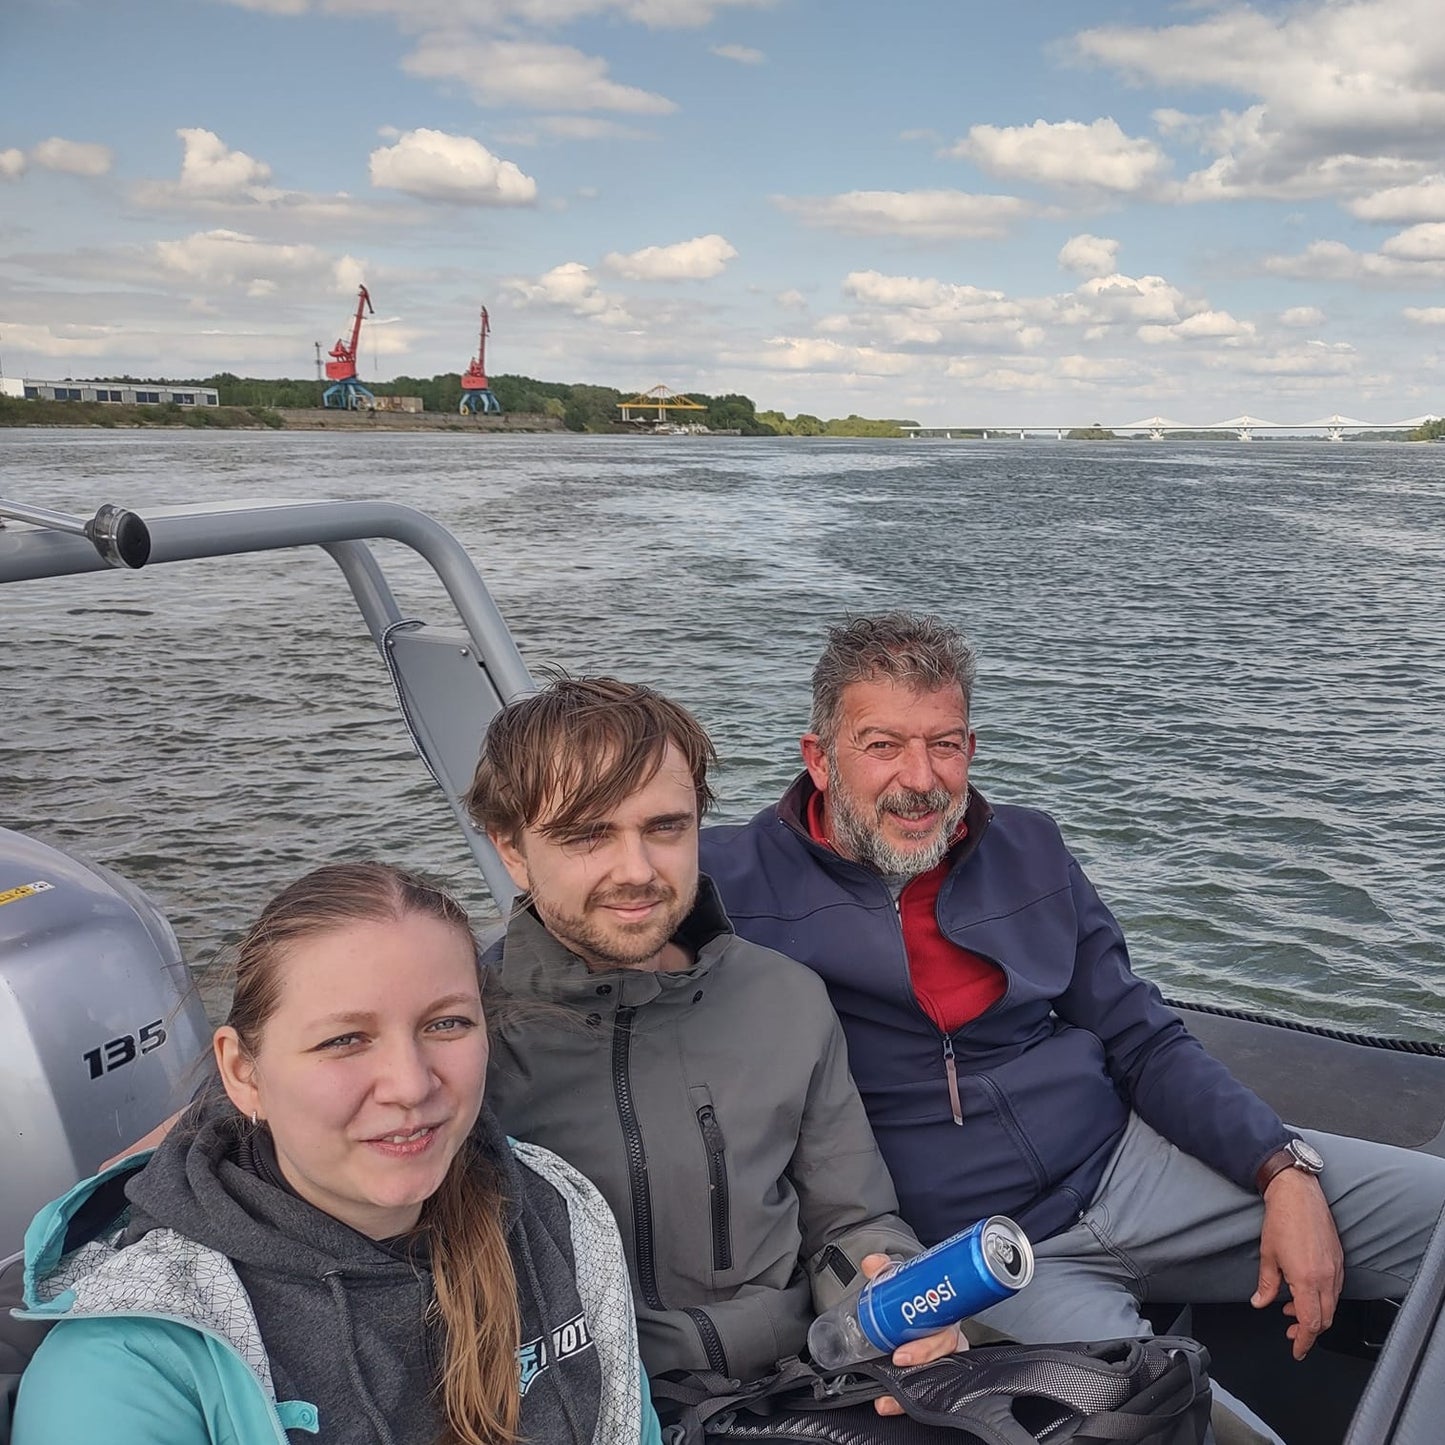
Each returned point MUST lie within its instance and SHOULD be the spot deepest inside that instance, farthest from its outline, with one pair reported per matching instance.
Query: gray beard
(859, 836)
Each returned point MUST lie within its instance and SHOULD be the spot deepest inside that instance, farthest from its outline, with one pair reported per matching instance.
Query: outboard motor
(99, 1023)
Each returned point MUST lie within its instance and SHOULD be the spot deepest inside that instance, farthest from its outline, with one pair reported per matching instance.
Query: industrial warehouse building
(142, 393)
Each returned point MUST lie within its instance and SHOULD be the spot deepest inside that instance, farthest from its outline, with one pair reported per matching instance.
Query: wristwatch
(1296, 1154)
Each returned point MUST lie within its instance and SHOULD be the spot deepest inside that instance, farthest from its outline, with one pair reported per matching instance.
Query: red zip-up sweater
(953, 985)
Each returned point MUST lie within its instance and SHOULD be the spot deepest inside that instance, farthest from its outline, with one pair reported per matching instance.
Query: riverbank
(112, 416)
(316, 419)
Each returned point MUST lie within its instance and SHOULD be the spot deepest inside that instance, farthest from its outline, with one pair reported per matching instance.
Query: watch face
(1306, 1157)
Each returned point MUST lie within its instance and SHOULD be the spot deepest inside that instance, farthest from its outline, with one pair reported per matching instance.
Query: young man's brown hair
(569, 754)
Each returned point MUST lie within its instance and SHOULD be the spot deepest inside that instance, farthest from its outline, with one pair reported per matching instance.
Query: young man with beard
(700, 1081)
(1010, 1059)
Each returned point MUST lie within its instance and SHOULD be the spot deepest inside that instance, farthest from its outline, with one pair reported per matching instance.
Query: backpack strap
(1119, 1390)
(1164, 1404)
(702, 1396)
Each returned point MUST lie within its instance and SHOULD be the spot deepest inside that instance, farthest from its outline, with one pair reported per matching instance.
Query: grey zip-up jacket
(714, 1110)
(229, 1310)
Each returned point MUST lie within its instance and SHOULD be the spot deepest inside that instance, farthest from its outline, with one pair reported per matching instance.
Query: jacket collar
(536, 966)
(792, 813)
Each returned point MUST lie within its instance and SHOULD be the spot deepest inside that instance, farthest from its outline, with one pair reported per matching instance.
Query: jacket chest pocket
(714, 1147)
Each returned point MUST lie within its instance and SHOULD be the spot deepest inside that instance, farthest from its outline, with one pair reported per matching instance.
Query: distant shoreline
(112, 416)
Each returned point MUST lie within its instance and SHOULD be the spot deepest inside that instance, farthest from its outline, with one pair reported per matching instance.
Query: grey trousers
(1163, 1226)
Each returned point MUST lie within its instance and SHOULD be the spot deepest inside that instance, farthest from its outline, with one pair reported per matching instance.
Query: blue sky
(958, 212)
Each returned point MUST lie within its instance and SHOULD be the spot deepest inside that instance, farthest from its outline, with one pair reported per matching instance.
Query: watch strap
(1295, 1154)
(1275, 1164)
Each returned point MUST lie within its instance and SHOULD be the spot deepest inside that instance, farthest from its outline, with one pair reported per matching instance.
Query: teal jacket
(157, 1341)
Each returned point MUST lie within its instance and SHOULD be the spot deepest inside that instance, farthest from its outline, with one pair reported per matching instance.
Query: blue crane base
(347, 396)
(475, 401)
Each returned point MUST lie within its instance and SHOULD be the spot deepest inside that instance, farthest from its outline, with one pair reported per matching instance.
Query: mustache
(634, 897)
(906, 802)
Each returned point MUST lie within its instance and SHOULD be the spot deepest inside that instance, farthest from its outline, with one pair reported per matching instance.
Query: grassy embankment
(17, 412)
(253, 401)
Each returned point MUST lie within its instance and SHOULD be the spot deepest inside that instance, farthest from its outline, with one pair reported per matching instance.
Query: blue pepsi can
(956, 1278)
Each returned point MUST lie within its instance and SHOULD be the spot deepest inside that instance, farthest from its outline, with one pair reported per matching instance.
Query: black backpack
(1145, 1391)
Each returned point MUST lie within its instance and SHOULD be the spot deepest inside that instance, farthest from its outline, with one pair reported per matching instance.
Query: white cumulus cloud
(807, 353)
(1212, 326)
(1425, 242)
(695, 260)
(923, 215)
(1088, 255)
(233, 259)
(570, 287)
(531, 74)
(1423, 200)
(1132, 300)
(1066, 153)
(59, 340)
(925, 312)
(743, 54)
(1350, 93)
(209, 167)
(12, 164)
(73, 157)
(1415, 260)
(1426, 315)
(1298, 316)
(435, 166)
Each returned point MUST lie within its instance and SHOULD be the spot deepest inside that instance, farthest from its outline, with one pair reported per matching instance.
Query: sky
(959, 213)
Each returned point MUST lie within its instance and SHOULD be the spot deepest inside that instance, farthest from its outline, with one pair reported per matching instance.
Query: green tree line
(580, 407)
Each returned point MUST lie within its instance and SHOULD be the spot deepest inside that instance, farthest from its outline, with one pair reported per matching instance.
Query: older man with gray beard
(1009, 1058)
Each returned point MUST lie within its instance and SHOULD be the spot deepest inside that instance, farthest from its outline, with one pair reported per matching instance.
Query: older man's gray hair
(918, 650)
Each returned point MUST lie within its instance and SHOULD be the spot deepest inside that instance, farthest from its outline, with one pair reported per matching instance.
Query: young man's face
(615, 890)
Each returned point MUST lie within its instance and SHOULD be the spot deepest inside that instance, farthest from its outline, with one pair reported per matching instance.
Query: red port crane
(476, 389)
(346, 391)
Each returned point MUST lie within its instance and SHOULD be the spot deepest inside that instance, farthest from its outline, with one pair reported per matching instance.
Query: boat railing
(449, 683)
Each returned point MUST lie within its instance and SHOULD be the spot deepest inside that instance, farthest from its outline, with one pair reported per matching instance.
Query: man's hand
(947, 1341)
(1300, 1247)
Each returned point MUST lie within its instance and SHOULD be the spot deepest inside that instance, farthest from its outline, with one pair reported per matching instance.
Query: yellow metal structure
(661, 398)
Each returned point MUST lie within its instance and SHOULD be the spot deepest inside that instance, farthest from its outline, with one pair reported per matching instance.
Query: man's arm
(1170, 1081)
(1190, 1098)
(847, 1208)
(847, 1205)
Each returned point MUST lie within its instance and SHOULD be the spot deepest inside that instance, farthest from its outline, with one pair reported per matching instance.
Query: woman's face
(370, 1071)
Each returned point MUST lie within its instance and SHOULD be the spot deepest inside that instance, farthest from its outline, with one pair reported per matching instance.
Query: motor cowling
(100, 1027)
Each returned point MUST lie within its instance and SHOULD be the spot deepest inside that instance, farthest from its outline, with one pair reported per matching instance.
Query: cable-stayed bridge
(1156, 428)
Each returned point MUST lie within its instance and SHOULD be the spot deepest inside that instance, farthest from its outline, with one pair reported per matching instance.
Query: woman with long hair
(338, 1240)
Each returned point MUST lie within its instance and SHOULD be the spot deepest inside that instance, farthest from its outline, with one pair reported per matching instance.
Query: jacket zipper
(951, 1070)
(712, 1343)
(636, 1162)
(717, 1179)
(950, 1067)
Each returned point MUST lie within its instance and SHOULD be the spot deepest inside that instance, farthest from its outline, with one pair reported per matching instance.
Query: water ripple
(1221, 667)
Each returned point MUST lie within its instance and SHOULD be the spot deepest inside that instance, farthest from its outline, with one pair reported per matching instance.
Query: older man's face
(895, 778)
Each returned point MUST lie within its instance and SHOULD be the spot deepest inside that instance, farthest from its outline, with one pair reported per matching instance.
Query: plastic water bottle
(964, 1274)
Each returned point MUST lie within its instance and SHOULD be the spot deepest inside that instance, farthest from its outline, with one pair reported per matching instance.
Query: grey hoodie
(714, 1110)
(343, 1318)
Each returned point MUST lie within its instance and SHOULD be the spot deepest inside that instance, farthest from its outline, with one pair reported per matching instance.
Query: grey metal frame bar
(342, 529)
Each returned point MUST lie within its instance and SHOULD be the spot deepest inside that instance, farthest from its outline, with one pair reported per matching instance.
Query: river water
(1222, 666)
